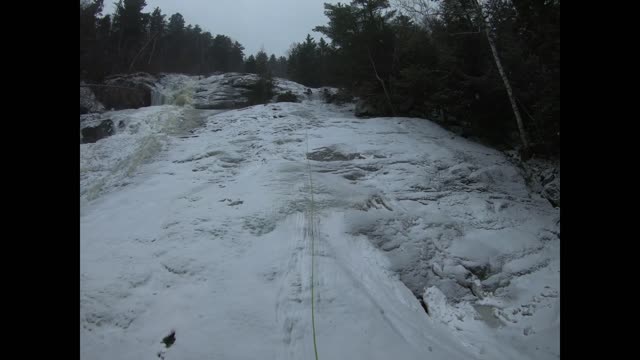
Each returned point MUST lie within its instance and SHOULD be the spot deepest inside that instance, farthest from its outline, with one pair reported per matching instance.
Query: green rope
(311, 215)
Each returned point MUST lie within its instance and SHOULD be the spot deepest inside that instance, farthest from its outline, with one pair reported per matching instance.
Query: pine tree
(272, 65)
(250, 65)
(262, 60)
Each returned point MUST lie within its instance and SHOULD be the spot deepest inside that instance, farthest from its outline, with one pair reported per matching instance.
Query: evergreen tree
(272, 65)
(262, 63)
(250, 65)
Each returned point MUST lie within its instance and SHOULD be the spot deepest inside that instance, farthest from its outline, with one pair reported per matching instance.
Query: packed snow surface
(198, 223)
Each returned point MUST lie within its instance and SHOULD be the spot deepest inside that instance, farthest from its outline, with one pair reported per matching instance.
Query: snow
(197, 221)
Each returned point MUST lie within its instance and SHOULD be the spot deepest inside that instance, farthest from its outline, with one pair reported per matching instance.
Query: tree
(262, 91)
(175, 41)
(132, 41)
(262, 63)
(361, 33)
(534, 27)
(503, 75)
(303, 63)
(157, 30)
(129, 24)
(250, 65)
(324, 54)
(282, 66)
(176, 24)
(236, 57)
(521, 61)
(89, 23)
(272, 65)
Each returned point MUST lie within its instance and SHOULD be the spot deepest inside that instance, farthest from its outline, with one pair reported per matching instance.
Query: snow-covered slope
(199, 222)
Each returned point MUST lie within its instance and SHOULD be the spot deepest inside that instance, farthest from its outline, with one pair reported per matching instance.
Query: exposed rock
(288, 97)
(542, 176)
(551, 192)
(224, 91)
(91, 134)
(129, 91)
(338, 97)
(332, 154)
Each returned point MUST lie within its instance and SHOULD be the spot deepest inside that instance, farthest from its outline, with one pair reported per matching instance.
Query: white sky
(274, 24)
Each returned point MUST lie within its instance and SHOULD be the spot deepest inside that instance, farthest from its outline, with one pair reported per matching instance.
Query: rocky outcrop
(550, 181)
(332, 153)
(91, 134)
(224, 91)
(218, 91)
(235, 90)
(542, 176)
(130, 91)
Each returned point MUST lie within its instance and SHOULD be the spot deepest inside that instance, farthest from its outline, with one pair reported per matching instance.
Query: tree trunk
(140, 52)
(503, 75)
(384, 88)
(153, 49)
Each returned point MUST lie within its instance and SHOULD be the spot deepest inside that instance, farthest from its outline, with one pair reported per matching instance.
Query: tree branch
(140, 52)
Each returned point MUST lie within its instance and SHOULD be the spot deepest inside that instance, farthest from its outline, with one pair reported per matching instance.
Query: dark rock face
(332, 154)
(129, 91)
(92, 134)
(339, 97)
(287, 97)
(550, 181)
(237, 90)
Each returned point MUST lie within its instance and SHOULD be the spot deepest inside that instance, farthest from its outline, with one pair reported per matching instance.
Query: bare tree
(416, 8)
(421, 11)
(142, 49)
(384, 88)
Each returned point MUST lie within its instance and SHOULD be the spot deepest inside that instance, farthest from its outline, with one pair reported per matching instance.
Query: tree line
(491, 67)
(131, 40)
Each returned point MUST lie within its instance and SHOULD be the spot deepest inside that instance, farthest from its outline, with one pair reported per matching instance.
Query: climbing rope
(313, 233)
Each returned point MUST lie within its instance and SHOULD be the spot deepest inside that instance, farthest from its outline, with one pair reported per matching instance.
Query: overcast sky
(274, 24)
